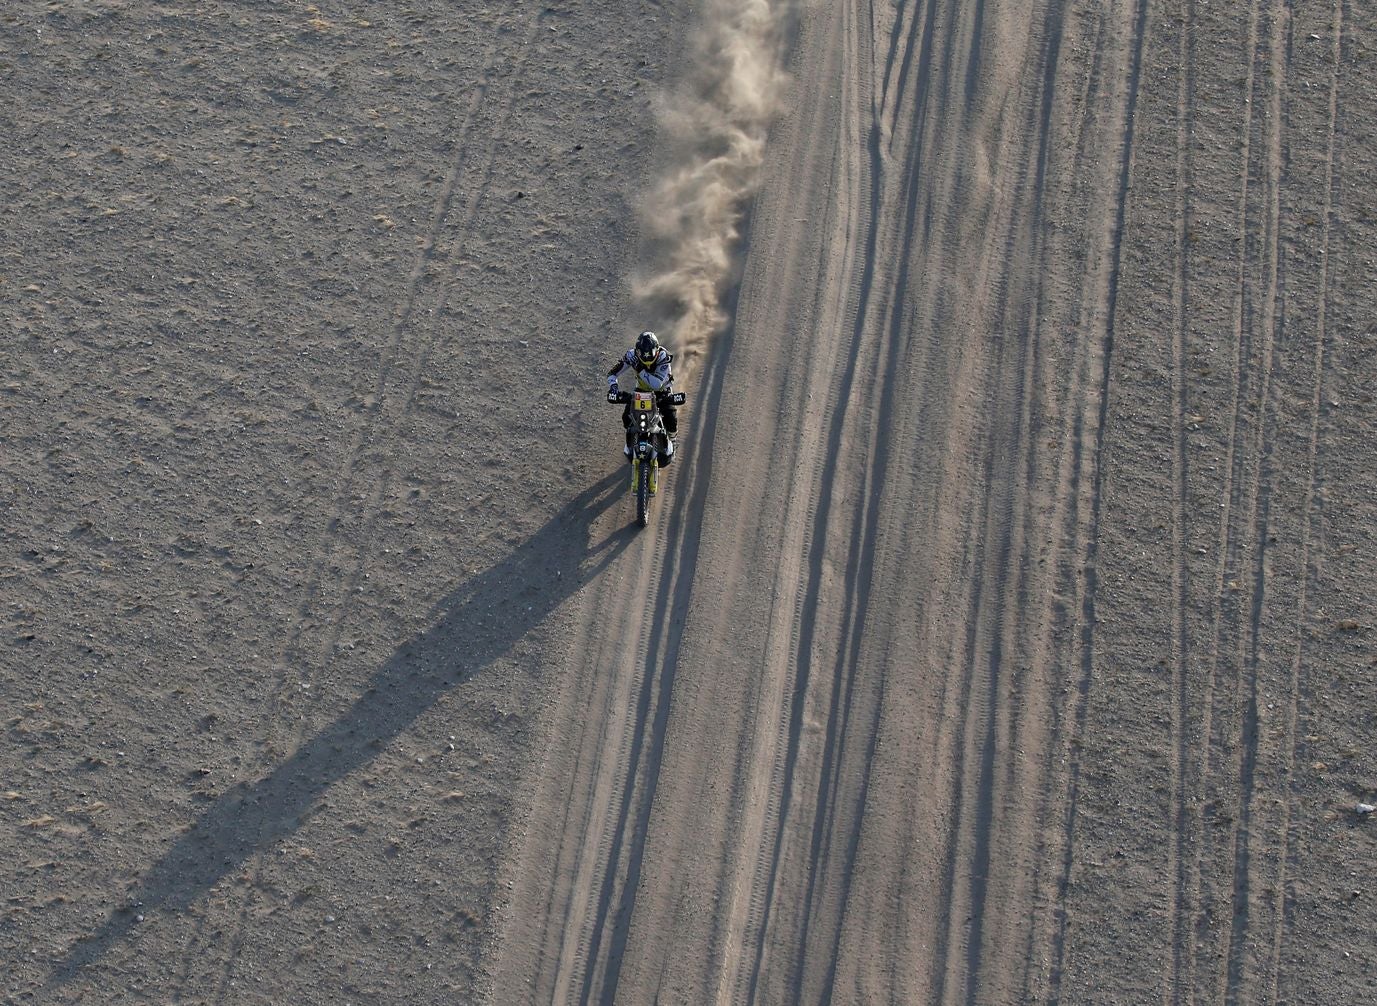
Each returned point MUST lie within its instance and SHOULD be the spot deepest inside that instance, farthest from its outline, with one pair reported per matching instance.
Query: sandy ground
(1004, 631)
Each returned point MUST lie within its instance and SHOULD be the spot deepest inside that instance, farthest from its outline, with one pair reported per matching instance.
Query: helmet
(647, 348)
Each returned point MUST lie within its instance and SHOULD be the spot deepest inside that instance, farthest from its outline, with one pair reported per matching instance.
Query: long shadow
(462, 639)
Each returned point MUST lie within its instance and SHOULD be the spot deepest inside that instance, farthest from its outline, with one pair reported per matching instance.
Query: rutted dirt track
(1003, 633)
(848, 758)
(859, 786)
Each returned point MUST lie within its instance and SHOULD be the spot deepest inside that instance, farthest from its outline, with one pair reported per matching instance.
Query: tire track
(928, 62)
(660, 668)
(1011, 407)
(608, 904)
(997, 637)
(1104, 318)
(610, 738)
(1178, 987)
(1035, 676)
(832, 825)
(600, 747)
(822, 512)
(1238, 986)
(582, 946)
(771, 832)
(1068, 543)
(1221, 730)
(865, 191)
(974, 781)
(614, 788)
(404, 353)
(1285, 905)
(749, 926)
(593, 972)
(863, 552)
(1198, 896)
(830, 822)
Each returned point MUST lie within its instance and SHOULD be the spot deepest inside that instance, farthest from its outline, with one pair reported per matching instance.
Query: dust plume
(714, 125)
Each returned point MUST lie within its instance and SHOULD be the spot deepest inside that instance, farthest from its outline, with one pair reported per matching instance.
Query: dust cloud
(714, 125)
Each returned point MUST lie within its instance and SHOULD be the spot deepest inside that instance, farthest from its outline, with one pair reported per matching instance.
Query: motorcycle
(649, 445)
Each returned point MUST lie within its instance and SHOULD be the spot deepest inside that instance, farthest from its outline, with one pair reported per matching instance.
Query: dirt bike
(649, 443)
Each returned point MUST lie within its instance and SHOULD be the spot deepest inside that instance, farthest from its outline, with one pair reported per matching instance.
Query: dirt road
(1003, 632)
(946, 681)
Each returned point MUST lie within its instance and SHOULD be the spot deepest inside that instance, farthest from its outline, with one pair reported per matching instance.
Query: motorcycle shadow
(463, 638)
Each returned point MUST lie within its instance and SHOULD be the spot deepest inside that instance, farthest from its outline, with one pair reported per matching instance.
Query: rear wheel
(643, 493)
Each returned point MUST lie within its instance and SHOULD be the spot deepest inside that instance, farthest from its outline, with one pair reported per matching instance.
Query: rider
(653, 373)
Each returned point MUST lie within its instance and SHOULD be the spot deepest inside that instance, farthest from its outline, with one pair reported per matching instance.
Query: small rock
(1363, 809)
(329, 918)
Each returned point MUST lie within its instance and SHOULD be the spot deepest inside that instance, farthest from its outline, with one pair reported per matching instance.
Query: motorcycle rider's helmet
(647, 348)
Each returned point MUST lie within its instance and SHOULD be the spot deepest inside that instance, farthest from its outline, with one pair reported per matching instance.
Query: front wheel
(643, 493)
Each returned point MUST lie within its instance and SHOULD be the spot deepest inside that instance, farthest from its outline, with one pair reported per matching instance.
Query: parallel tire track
(596, 971)
(1237, 980)
(1017, 675)
(605, 907)
(1177, 989)
(796, 891)
(1104, 318)
(679, 546)
(603, 740)
(1068, 542)
(746, 939)
(1285, 896)
(865, 196)
(582, 952)
(1199, 895)
(401, 365)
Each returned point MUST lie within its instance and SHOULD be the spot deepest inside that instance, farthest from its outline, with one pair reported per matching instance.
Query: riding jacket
(656, 377)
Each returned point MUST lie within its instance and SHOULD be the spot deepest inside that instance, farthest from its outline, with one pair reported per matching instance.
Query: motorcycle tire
(643, 493)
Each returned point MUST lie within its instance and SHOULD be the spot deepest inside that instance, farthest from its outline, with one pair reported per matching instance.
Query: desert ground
(1004, 630)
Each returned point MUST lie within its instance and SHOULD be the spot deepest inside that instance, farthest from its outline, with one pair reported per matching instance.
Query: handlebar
(615, 397)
